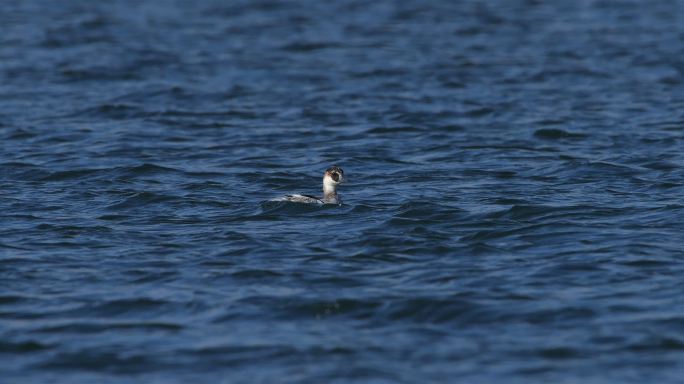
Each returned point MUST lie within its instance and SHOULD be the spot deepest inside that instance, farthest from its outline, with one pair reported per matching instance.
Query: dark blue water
(514, 212)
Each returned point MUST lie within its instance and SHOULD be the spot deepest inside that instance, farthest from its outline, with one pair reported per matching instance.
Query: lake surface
(514, 211)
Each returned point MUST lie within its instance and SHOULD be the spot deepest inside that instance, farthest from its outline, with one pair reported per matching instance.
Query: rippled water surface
(514, 211)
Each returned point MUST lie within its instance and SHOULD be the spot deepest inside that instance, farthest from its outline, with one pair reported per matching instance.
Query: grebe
(333, 177)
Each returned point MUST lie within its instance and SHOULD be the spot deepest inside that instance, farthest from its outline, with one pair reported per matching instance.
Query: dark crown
(335, 168)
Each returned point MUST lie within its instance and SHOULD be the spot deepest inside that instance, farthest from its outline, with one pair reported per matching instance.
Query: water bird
(332, 177)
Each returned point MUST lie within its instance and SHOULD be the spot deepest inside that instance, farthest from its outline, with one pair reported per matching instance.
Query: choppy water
(514, 211)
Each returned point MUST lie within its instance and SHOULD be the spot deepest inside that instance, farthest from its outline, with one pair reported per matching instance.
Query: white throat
(329, 186)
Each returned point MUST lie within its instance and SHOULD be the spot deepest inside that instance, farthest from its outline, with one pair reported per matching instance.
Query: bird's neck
(329, 192)
(331, 197)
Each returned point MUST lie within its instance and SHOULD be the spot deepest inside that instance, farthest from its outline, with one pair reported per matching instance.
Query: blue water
(513, 212)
